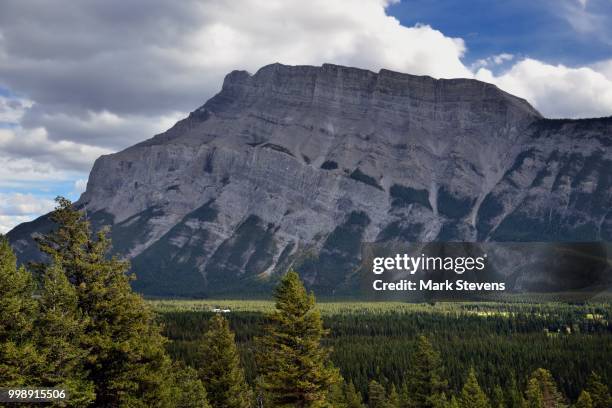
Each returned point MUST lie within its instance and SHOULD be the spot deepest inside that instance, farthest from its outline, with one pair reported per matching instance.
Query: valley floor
(503, 341)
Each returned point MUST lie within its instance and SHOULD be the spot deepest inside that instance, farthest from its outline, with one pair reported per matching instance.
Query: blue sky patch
(558, 32)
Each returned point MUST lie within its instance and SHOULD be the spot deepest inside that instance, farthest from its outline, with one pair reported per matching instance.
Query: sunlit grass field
(593, 311)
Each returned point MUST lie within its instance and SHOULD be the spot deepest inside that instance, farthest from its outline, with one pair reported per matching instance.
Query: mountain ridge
(300, 165)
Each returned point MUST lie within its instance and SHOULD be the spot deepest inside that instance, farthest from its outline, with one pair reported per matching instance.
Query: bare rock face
(300, 165)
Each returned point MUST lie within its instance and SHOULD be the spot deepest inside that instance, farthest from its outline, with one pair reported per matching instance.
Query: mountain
(299, 165)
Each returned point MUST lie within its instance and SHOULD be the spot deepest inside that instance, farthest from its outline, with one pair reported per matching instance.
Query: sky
(87, 78)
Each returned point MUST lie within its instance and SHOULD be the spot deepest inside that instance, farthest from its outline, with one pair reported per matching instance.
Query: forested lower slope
(504, 342)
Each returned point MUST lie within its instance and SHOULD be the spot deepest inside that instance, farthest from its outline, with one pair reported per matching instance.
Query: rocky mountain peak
(331, 84)
(299, 165)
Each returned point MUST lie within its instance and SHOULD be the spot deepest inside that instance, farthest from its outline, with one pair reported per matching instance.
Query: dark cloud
(104, 129)
(110, 55)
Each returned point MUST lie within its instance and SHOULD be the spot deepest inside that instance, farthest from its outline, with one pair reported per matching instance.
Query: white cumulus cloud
(556, 90)
(19, 207)
(34, 144)
(7, 222)
(493, 60)
(13, 109)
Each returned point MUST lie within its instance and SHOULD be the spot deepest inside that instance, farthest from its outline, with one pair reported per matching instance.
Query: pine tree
(377, 395)
(60, 331)
(70, 242)
(584, 400)
(352, 396)
(497, 400)
(598, 392)
(542, 380)
(426, 386)
(188, 390)
(295, 370)
(453, 403)
(514, 397)
(404, 396)
(533, 395)
(337, 396)
(394, 398)
(126, 359)
(472, 395)
(18, 353)
(439, 400)
(220, 369)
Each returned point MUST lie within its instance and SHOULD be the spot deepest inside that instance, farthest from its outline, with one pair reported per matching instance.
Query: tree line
(376, 341)
(73, 322)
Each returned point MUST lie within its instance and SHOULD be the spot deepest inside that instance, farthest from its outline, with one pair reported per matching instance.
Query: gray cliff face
(300, 165)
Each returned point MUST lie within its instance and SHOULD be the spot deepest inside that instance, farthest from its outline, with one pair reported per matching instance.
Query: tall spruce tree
(404, 396)
(394, 398)
(584, 400)
(59, 335)
(426, 385)
(472, 395)
(542, 380)
(126, 359)
(514, 397)
(188, 391)
(18, 354)
(598, 392)
(295, 370)
(377, 395)
(220, 369)
(453, 403)
(337, 397)
(498, 399)
(352, 396)
(533, 394)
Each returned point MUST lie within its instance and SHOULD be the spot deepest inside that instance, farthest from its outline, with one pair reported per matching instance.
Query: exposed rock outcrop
(300, 165)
